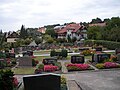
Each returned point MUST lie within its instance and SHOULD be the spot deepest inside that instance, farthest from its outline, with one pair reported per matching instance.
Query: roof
(32, 44)
(42, 29)
(13, 35)
(74, 27)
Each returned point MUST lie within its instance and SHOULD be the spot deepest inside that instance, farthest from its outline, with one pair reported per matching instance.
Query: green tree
(69, 38)
(97, 20)
(23, 32)
(94, 32)
(51, 32)
(38, 40)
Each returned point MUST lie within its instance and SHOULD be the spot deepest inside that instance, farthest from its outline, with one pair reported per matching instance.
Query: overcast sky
(37, 13)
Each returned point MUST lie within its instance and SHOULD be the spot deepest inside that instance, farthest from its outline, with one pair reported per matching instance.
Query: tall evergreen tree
(23, 32)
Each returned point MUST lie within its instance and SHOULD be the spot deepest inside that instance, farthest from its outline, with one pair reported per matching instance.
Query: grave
(117, 51)
(48, 61)
(28, 53)
(42, 82)
(77, 59)
(25, 61)
(99, 58)
(82, 49)
(98, 49)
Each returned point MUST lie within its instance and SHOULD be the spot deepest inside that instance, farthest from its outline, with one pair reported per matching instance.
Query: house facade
(73, 31)
(12, 37)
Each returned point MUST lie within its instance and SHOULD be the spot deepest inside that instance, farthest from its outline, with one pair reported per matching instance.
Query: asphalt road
(99, 80)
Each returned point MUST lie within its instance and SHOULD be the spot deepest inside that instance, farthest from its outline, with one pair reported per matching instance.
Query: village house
(12, 37)
(73, 30)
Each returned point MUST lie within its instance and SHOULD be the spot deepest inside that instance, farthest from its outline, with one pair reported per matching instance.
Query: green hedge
(107, 44)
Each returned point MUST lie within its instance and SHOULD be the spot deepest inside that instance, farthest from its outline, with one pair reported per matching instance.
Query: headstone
(99, 58)
(117, 51)
(82, 49)
(24, 61)
(98, 49)
(28, 53)
(77, 59)
(42, 82)
(48, 61)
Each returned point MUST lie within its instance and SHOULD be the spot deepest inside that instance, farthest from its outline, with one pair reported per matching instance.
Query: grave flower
(50, 68)
(110, 65)
(78, 66)
(15, 82)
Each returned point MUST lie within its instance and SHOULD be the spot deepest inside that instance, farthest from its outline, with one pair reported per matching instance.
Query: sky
(37, 13)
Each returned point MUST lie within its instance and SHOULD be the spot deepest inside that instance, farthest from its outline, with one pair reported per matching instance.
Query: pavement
(98, 80)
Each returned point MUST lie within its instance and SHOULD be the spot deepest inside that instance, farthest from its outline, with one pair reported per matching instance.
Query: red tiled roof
(64, 30)
(41, 29)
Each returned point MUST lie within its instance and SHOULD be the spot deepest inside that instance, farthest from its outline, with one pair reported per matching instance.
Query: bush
(108, 44)
(7, 81)
(100, 66)
(34, 62)
(64, 53)
(87, 52)
(59, 65)
(53, 53)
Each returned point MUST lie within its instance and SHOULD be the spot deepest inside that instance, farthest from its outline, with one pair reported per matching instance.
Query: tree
(38, 40)
(97, 20)
(69, 38)
(23, 32)
(94, 32)
(51, 32)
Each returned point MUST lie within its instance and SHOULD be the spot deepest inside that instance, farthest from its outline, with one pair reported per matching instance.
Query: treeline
(109, 32)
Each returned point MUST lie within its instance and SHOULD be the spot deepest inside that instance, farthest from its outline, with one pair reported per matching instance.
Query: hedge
(108, 44)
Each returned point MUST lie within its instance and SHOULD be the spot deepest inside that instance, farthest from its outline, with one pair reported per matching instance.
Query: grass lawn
(40, 58)
(27, 70)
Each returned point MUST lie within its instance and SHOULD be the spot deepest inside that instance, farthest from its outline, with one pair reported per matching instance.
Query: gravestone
(82, 49)
(24, 61)
(98, 49)
(77, 59)
(42, 82)
(28, 53)
(99, 58)
(48, 61)
(117, 51)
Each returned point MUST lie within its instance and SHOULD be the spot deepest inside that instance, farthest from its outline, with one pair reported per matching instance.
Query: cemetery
(50, 68)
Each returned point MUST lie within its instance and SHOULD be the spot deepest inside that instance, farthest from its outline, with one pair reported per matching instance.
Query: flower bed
(78, 67)
(48, 68)
(107, 65)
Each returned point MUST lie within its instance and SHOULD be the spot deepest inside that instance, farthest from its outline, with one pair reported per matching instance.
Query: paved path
(100, 80)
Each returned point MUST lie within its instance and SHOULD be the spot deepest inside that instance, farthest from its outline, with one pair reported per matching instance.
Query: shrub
(7, 81)
(53, 53)
(58, 64)
(64, 53)
(100, 66)
(40, 66)
(108, 44)
(87, 52)
(34, 62)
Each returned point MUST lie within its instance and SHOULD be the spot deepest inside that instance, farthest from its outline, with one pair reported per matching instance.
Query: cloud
(36, 13)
